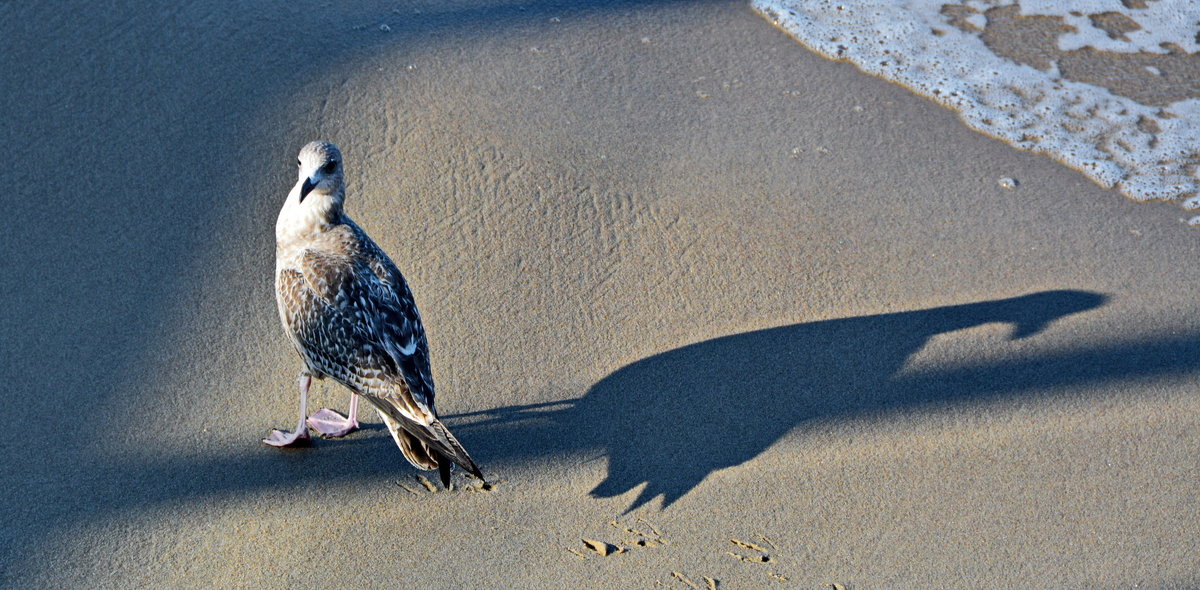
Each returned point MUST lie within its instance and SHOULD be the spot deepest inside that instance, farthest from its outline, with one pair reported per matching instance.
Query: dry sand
(673, 278)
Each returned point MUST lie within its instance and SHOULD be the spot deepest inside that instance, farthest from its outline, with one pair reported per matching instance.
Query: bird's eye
(330, 167)
(298, 164)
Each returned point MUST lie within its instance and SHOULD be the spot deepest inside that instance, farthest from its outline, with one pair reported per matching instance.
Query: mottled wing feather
(400, 323)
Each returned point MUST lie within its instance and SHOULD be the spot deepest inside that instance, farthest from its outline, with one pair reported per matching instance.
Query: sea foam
(937, 49)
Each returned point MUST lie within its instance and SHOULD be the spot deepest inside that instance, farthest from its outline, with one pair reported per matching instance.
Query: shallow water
(1109, 90)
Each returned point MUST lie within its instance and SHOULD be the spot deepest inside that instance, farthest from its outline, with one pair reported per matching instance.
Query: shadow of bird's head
(1031, 313)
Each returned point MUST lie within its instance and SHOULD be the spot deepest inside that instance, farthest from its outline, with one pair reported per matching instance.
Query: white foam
(1160, 22)
(1087, 127)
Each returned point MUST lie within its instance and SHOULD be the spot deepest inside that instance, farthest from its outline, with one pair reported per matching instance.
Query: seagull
(351, 316)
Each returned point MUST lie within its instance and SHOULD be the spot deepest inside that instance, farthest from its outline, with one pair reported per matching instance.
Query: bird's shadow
(671, 419)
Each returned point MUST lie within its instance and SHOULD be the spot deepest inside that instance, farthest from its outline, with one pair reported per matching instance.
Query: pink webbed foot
(332, 424)
(283, 438)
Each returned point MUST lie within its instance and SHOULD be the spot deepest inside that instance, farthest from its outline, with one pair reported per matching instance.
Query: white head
(320, 171)
(316, 200)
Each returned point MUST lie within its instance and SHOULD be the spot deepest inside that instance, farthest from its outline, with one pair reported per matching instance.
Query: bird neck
(302, 220)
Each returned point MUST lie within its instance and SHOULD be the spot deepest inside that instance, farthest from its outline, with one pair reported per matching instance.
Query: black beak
(306, 188)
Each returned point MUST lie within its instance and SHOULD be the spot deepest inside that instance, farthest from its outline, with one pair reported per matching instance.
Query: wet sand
(678, 274)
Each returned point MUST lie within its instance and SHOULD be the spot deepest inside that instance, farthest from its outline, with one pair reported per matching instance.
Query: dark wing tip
(474, 470)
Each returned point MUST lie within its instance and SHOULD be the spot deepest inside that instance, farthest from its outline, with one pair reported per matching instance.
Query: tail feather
(444, 471)
(417, 452)
(426, 447)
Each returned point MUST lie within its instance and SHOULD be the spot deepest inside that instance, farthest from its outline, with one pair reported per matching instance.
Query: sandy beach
(744, 313)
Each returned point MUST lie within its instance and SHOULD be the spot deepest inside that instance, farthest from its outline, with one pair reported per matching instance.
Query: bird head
(320, 171)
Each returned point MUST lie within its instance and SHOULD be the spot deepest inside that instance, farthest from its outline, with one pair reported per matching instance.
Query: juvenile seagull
(351, 316)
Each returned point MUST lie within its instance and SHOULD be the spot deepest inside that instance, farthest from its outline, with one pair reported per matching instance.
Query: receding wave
(1110, 88)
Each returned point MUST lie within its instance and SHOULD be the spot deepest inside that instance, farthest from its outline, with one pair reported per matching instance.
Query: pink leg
(332, 424)
(299, 438)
